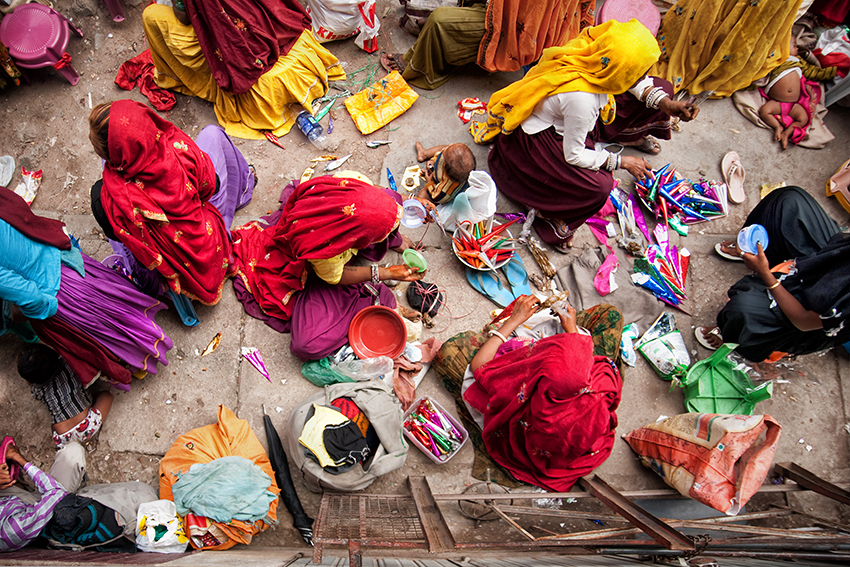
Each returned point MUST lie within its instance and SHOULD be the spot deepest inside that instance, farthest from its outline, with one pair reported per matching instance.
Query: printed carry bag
(381, 103)
(713, 458)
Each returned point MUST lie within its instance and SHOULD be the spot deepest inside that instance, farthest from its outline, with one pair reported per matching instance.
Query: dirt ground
(45, 128)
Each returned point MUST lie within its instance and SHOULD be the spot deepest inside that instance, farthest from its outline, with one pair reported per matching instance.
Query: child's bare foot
(777, 134)
(783, 139)
(420, 152)
(709, 338)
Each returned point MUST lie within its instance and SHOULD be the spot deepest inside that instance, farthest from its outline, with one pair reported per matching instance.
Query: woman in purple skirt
(94, 317)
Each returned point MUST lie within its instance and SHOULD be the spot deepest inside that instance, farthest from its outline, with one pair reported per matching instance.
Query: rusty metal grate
(373, 517)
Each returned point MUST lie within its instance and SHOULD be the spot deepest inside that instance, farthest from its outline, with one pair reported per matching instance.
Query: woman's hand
(757, 263)
(568, 321)
(637, 166)
(401, 273)
(680, 109)
(430, 208)
(524, 308)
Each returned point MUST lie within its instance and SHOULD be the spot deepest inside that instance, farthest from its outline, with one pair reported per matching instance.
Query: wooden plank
(656, 529)
(437, 531)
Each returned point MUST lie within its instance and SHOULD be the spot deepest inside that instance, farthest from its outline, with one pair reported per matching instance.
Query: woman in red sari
(160, 197)
(293, 266)
(547, 408)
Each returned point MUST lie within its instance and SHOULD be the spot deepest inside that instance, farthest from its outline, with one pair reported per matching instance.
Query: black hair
(38, 363)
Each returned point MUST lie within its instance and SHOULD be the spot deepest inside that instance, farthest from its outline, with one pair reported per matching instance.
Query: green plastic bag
(320, 373)
(714, 385)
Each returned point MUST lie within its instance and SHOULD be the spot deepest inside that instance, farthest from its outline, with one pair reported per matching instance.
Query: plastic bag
(341, 19)
(664, 348)
(361, 370)
(711, 458)
(475, 204)
(378, 105)
(28, 187)
(159, 529)
(321, 374)
(627, 347)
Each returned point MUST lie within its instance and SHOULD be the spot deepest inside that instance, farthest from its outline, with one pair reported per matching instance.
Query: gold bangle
(774, 286)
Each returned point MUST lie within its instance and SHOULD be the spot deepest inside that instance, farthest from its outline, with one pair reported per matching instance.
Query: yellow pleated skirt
(272, 103)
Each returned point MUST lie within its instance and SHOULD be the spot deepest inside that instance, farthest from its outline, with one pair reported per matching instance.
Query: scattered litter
(28, 186)
(809, 447)
(168, 402)
(213, 344)
(335, 164)
(377, 143)
(278, 409)
(109, 35)
(197, 352)
(252, 355)
(801, 441)
(273, 139)
(89, 101)
(734, 131)
(283, 382)
(412, 178)
(469, 107)
(308, 174)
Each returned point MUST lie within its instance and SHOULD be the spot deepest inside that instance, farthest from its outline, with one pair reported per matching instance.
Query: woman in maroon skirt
(546, 125)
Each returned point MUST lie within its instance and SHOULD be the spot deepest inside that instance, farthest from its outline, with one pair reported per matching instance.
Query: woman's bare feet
(393, 62)
(647, 144)
(711, 338)
(420, 152)
(729, 250)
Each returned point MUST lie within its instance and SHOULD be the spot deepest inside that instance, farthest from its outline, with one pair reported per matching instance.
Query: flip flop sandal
(839, 185)
(488, 284)
(14, 468)
(733, 175)
(517, 277)
(698, 334)
(732, 257)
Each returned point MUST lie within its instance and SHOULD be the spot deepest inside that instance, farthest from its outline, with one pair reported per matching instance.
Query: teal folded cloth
(229, 488)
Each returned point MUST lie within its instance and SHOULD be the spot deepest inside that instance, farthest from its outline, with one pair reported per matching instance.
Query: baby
(447, 171)
(788, 110)
(75, 417)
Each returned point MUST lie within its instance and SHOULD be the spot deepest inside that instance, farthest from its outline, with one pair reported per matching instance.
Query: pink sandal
(14, 468)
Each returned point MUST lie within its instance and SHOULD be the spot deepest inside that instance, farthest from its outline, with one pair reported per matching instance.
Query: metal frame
(830, 543)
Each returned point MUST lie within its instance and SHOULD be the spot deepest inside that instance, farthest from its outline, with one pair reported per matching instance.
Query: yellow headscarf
(605, 59)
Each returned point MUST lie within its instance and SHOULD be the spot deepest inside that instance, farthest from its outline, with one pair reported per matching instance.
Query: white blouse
(574, 115)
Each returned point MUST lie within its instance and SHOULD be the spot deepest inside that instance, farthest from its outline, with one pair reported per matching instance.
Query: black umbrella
(302, 522)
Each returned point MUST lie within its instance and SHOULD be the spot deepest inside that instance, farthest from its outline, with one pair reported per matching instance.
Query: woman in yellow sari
(298, 76)
(723, 45)
(546, 125)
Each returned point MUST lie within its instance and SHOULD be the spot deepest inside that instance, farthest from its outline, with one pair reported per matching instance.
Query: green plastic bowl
(414, 259)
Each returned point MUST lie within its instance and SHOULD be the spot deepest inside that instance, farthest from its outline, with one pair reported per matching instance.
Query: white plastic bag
(475, 204)
(159, 529)
(341, 19)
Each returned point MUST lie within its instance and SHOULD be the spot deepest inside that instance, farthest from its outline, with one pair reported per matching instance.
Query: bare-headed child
(447, 171)
(76, 417)
(787, 94)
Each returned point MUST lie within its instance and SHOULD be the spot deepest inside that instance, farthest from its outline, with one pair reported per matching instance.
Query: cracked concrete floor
(44, 127)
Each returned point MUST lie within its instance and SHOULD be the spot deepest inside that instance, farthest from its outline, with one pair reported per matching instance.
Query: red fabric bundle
(549, 410)
(156, 185)
(139, 72)
(324, 217)
(242, 39)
